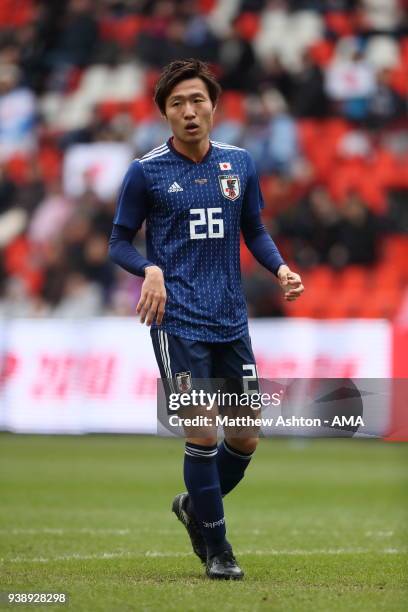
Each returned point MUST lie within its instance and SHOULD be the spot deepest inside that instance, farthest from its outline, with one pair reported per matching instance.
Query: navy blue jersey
(193, 214)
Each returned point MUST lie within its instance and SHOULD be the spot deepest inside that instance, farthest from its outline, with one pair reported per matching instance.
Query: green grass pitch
(316, 525)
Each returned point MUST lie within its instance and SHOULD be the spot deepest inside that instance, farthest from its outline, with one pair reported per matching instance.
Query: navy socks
(203, 485)
(209, 474)
(231, 465)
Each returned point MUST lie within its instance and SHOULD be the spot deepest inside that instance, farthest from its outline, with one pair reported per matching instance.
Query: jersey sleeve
(133, 200)
(122, 251)
(253, 200)
(254, 232)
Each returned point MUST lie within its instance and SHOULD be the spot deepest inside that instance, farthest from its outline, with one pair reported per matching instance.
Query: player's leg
(205, 496)
(179, 359)
(235, 362)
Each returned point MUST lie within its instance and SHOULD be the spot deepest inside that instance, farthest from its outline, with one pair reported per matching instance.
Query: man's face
(189, 111)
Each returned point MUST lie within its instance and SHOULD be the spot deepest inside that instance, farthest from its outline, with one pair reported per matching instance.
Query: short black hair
(180, 70)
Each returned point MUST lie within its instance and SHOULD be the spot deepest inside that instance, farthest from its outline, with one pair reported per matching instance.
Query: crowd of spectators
(316, 91)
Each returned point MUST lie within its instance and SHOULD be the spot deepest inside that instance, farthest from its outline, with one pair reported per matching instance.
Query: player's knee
(207, 441)
(245, 445)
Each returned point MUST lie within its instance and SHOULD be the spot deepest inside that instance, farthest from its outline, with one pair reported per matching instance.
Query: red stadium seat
(247, 25)
(127, 30)
(399, 80)
(388, 276)
(382, 304)
(354, 278)
(312, 304)
(206, 6)
(322, 52)
(17, 168)
(233, 105)
(395, 251)
(347, 302)
(371, 189)
(308, 133)
(16, 13)
(123, 30)
(49, 159)
(109, 109)
(346, 178)
(340, 23)
(19, 261)
(404, 52)
(321, 279)
(142, 109)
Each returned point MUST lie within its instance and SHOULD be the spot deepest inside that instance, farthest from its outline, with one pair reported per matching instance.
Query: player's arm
(130, 213)
(260, 243)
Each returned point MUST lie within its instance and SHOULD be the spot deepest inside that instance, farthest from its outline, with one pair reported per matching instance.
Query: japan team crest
(183, 382)
(230, 186)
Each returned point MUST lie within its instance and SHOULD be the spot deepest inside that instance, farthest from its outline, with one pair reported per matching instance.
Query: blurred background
(316, 91)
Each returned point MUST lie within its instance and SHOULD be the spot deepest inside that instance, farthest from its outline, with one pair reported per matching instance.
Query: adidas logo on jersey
(174, 187)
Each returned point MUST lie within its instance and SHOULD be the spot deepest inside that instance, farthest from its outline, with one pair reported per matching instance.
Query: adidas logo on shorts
(174, 187)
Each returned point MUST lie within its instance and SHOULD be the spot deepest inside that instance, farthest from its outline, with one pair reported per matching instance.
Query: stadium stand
(316, 91)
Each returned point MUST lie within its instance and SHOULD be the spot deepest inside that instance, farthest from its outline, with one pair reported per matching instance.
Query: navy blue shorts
(181, 361)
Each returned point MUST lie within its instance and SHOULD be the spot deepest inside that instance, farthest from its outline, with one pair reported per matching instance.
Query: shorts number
(250, 381)
(215, 225)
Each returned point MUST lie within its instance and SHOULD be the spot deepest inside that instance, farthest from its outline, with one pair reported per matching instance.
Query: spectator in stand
(282, 141)
(237, 61)
(175, 45)
(75, 44)
(254, 136)
(8, 191)
(273, 75)
(271, 135)
(382, 15)
(314, 228)
(386, 104)
(350, 80)
(149, 134)
(18, 113)
(76, 233)
(198, 35)
(50, 216)
(32, 189)
(263, 297)
(80, 298)
(151, 43)
(56, 268)
(13, 219)
(97, 268)
(268, 108)
(307, 95)
(17, 302)
(358, 234)
(252, 6)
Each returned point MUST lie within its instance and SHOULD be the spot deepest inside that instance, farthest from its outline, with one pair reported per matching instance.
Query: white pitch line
(60, 531)
(171, 555)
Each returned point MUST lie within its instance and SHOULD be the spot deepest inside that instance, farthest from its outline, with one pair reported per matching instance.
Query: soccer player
(196, 196)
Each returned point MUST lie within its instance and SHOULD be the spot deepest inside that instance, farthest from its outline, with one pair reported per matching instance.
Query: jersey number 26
(210, 226)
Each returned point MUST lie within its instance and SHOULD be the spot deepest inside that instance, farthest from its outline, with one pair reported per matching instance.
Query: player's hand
(153, 297)
(291, 283)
